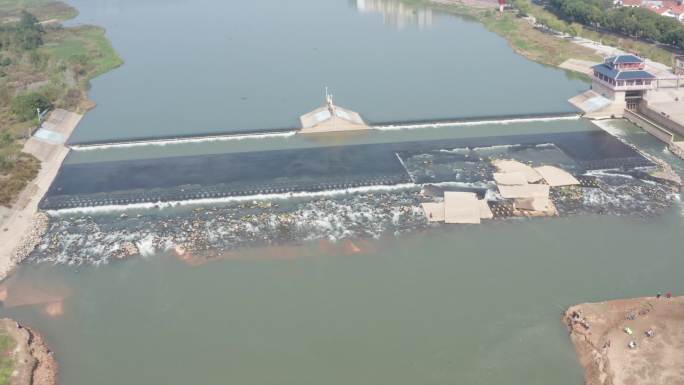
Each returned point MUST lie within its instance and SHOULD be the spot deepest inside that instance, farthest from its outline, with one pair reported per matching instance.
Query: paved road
(20, 227)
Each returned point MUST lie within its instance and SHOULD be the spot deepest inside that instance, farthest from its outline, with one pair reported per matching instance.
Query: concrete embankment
(22, 228)
(657, 130)
(33, 363)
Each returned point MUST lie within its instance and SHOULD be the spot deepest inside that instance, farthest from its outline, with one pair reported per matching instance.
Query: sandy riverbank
(33, 362)
(22, 227)
(602, 333)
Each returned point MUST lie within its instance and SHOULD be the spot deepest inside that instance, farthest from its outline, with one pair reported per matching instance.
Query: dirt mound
(636, 341)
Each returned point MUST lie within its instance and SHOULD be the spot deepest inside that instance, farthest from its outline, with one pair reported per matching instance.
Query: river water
(439, 305)
(209, 66)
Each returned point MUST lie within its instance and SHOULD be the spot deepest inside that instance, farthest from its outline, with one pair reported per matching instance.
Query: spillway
(244, 174)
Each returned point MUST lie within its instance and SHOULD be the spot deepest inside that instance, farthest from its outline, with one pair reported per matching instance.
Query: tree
(25, 106)
(29, 21)
(637, 22)
(27, 34)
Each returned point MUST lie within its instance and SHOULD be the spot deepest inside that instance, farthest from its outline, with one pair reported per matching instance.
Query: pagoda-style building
(623, 79)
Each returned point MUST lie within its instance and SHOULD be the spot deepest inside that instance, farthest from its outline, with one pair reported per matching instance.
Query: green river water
(450, 305)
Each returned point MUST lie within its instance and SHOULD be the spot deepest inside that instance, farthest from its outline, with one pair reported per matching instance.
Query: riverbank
(43, 65)
(22, 226)
(52, 72)
(531, 36)
(26, 359)
(636, 341)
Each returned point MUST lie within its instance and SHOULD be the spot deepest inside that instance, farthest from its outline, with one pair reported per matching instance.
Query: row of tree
(636, 22)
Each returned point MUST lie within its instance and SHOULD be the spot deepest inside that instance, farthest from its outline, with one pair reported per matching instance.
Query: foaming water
(291, 133)
(476, 123)
(214, 201)
(171, 141)
(609, 126)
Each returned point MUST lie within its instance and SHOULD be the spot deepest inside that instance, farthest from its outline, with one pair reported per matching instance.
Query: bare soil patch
(603, 332)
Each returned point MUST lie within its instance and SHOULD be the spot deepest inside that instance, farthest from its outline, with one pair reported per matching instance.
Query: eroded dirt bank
(33, 362)
(637, 341)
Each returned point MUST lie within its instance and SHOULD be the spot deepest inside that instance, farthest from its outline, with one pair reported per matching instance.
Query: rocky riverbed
(209, 230)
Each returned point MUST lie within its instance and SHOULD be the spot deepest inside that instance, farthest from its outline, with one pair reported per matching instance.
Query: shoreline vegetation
(25, 359)
(540, 35)
(42, 65)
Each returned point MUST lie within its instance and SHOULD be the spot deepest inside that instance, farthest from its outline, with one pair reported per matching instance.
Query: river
(208, 66)
(467, 305)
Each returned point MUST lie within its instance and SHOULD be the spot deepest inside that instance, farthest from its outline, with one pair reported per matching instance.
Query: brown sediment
(34, 362)
(277, 252)
(598, 332)
(15, 293)
(54, 309)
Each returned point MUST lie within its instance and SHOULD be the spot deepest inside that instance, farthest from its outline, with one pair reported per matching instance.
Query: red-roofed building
(678, 9)
(667, 8)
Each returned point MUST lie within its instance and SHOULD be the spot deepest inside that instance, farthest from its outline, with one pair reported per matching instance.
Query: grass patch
(7, 344)
(648, 50)
(85, 48)
(42, 9)
(16, 176)
(542, 46)
(644, 49)
(525, 39)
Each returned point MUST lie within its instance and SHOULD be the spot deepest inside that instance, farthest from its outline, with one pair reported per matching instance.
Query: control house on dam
(623, 79)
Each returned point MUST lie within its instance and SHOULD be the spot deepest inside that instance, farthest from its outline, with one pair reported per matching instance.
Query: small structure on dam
(331, 118)
(623, 79)
(619, 82)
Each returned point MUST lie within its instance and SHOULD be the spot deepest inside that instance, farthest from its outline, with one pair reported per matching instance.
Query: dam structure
(252, 174)
(323, 164)
(327, 119)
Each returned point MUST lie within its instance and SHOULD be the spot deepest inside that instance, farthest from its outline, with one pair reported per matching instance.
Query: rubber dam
(316, 169)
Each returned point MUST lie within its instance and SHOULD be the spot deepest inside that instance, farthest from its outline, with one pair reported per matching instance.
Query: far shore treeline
(639, 23)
